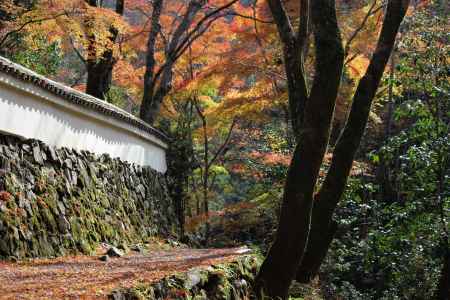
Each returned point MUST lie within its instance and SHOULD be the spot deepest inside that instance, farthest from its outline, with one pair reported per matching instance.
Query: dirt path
(86, 277)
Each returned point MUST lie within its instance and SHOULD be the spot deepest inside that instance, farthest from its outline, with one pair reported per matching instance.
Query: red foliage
(194, 222)
(41, 202)
(5, 196)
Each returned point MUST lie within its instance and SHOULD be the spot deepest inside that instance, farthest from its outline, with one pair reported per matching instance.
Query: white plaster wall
(32, 112)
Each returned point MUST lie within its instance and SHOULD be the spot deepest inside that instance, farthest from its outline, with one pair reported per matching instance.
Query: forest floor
(87, 277)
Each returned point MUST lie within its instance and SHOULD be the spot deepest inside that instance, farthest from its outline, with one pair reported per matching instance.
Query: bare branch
(371, 12)
(224, 145)
(193, 33)
(80, 56)
(21, 27)
(250, 18)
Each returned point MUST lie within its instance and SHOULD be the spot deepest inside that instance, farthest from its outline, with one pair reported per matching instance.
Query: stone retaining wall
(57, 201)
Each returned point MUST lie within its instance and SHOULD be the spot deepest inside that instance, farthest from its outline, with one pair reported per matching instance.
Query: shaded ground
(86, 277)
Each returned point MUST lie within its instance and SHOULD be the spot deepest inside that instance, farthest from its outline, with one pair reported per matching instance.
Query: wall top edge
(78, 98)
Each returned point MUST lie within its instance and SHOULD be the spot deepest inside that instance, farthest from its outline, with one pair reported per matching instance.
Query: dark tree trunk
(310, 267)
(179, 154)
(158, 84)
(348, 143)
(388, 192)
(120, 7)
(280, 265)
(180, 163)
(100, 69)
(149, 80)
(443, 290)
(198, 207)
(100, 75)
(294, 45)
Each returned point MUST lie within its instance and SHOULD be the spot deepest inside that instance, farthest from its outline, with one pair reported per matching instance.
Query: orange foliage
(237, 56)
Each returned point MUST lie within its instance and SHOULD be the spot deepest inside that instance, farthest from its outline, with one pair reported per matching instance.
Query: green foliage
(118, 96)
(219, 186)
(44, 58)
(391, 246)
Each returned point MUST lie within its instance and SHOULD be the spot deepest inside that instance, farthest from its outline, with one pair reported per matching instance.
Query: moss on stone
(230, 281)
(74, 201)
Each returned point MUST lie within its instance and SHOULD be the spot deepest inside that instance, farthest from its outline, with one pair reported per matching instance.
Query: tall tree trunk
(99, 74)
(149, 81)
(179, 168)
(279, 267)
(347, 145)
(158, 84)
(384, 170)
(99, 69)
(443, 290)
(294, 45)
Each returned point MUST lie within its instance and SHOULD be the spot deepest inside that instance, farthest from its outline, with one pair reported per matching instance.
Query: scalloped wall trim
(35, 107)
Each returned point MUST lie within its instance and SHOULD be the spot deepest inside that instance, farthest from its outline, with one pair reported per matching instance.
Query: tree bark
(157, 84)
(162, 81)
(309, 267)
(443, 290)
(100, 69)
(293, 46)
(100, 75)
(348, 143)
(280, 265)
(384, 170)
(149, 82)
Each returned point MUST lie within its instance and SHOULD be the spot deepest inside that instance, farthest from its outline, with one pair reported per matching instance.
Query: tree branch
(281, 18)
(79, 55)
(149, 81)
(250, 18)
(224, 145)
(371, 12)
(189, 37)
(21, 27)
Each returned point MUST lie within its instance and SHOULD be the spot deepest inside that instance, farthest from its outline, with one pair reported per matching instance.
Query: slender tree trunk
(205, 186)
(198, 207)
(178, 198)
(158, 84)
(179, 169)
(279, 267)
(443, 289)
(384, 170)
(293, 53)
(206, 206)
(390, 112)
(348, 143)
